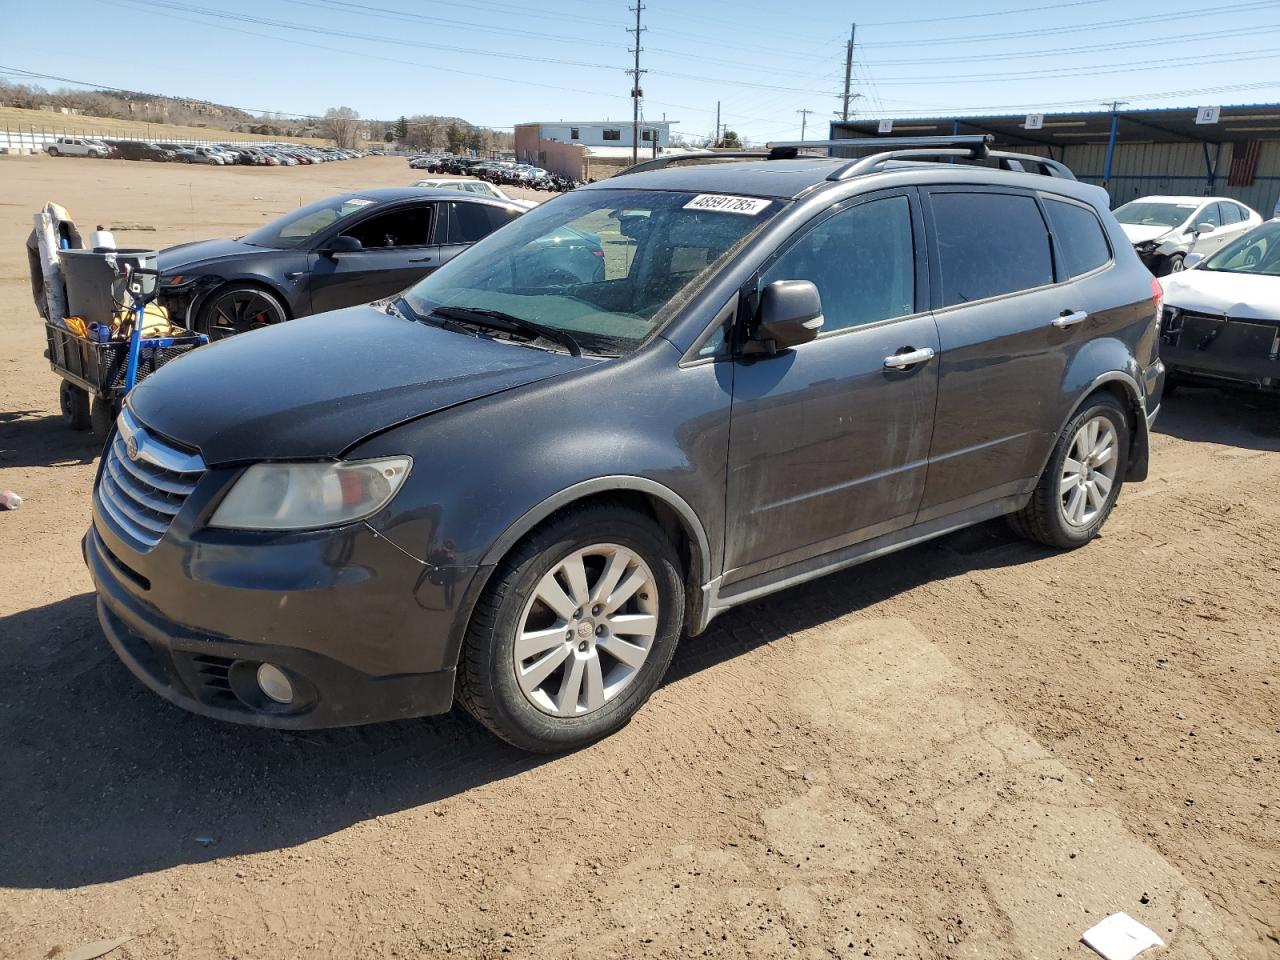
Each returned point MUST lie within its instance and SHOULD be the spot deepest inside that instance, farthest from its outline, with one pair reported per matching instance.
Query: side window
(1230, 213)
(469, 222)
(990, 244)
(862, 260)
(1210, 215)
(407, 227)
(1083, 245)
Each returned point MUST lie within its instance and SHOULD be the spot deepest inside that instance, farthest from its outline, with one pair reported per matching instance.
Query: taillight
(1157, 296)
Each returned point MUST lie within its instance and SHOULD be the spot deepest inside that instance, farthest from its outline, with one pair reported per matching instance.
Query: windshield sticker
(725, 204)
(357, 202)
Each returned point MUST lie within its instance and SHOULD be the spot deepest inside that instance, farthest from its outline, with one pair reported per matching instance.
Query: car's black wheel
(53, 151)
(238, 308)
(1083, 478)
(103, 418)
(574, 631)
(74, 402)
(1174, 263)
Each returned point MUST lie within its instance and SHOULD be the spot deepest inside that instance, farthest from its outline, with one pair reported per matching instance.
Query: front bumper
(365, 632)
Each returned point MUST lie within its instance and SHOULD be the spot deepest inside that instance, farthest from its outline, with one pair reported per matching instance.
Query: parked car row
(214, 154)
(500, 172)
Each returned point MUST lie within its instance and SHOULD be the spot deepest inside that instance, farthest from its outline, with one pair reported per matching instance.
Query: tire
(535, 704)
(52, 151)
(1174, 263)
(1065, 515)
(74, 402)
(102, 419)
(238, 308)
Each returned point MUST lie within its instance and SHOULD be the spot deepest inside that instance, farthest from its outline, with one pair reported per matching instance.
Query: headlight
(1146, 246)
(307, 496)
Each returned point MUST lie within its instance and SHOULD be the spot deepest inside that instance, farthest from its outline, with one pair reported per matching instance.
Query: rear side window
(990, 244)
(862, 260)
(469, 222)
(1230, 213)
(1082, 244)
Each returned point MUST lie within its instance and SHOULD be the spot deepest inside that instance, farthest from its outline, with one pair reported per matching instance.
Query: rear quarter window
(1082, 243)
(989, 244)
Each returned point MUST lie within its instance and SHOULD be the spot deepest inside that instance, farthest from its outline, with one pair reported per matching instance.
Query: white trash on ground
(1120, 937)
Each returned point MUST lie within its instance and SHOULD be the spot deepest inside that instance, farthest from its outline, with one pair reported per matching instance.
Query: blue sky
(500, 62)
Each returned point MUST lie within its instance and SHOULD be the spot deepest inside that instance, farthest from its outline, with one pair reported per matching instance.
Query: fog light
(274, 683)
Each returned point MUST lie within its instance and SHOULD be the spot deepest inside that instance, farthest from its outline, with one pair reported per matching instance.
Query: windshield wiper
(497, 320)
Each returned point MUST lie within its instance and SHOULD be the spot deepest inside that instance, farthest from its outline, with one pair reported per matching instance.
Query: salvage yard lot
(976, 748)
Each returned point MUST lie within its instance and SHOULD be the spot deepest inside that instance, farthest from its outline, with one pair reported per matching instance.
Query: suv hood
(1240, 296)
(314, 387)
(201, 252)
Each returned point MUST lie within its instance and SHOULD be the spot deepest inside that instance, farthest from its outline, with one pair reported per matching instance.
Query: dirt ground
(974, 749)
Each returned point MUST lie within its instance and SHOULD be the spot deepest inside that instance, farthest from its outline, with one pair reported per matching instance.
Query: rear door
(464, 222)
(1007, 324)
(398, 251)
(829, 440)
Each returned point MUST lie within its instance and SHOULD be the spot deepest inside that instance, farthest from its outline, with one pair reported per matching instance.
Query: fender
(208, 283)
(1140, 442)
(688, 518)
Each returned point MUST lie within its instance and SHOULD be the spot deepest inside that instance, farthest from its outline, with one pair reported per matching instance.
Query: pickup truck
(77, 147)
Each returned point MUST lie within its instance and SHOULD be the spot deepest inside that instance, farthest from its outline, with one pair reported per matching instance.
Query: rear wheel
(74, 402)
(575, 631)
(1082, 480)
(238, 309)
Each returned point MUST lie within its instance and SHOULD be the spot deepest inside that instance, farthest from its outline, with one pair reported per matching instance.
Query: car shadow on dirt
(1228, 417)
(104, 780)
(31, 439)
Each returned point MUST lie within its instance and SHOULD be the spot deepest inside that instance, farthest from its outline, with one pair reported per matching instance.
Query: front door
(829, 440)
(396, 253)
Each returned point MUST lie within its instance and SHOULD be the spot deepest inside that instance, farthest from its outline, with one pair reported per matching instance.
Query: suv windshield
(606, 266)
(1146, 213)
(1258, 251)
(295, 229)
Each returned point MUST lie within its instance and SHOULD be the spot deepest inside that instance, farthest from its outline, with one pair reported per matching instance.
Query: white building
(593, 133)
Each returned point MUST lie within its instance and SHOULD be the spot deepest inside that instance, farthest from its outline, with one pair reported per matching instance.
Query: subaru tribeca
(519, 489)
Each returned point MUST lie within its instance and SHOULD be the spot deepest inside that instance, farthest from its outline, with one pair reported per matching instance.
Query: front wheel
(1175, 263)
(238, 309)
(1082, 480)
(53, 151)
(575, 631)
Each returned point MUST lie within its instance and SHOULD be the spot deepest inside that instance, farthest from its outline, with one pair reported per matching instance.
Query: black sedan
(338, 252)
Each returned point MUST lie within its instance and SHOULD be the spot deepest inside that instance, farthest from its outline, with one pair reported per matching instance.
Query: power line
(1096, 25)
(982, 16)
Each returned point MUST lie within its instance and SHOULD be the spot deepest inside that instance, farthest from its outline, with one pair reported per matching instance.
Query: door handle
(293, 275)
(423, 260)
(899, 360)
(1070, 319)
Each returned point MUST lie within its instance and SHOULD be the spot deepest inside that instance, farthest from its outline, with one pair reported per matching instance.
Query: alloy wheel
(241, 311)
(1088, 472)
(587, 630)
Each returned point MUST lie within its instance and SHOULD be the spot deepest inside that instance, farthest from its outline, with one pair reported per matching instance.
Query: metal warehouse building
(1132, 153)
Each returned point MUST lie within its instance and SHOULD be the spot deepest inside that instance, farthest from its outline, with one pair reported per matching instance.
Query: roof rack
(975, 146)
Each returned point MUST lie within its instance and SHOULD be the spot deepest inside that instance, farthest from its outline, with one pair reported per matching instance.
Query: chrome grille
(145, 482)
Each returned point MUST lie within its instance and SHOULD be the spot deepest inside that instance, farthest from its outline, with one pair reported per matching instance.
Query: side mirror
(790, 314)
(1205, 228)
(1192, 260)
(344, 245)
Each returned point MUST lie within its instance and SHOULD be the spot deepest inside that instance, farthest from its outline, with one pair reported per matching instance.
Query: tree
(731, 139)
(402, 129)
(455, 137)
(341, 124)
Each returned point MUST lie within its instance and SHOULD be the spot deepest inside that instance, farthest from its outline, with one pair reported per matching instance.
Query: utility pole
(716, 142)
(848, 71)
(636, 92)
(804, 119)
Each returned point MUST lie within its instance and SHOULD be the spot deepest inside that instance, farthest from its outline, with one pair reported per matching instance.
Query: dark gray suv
(521, 489)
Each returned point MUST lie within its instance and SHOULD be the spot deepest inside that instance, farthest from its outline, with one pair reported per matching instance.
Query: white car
(1165, 229)
(77, 147)
(1221, 321)
(471, 185)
